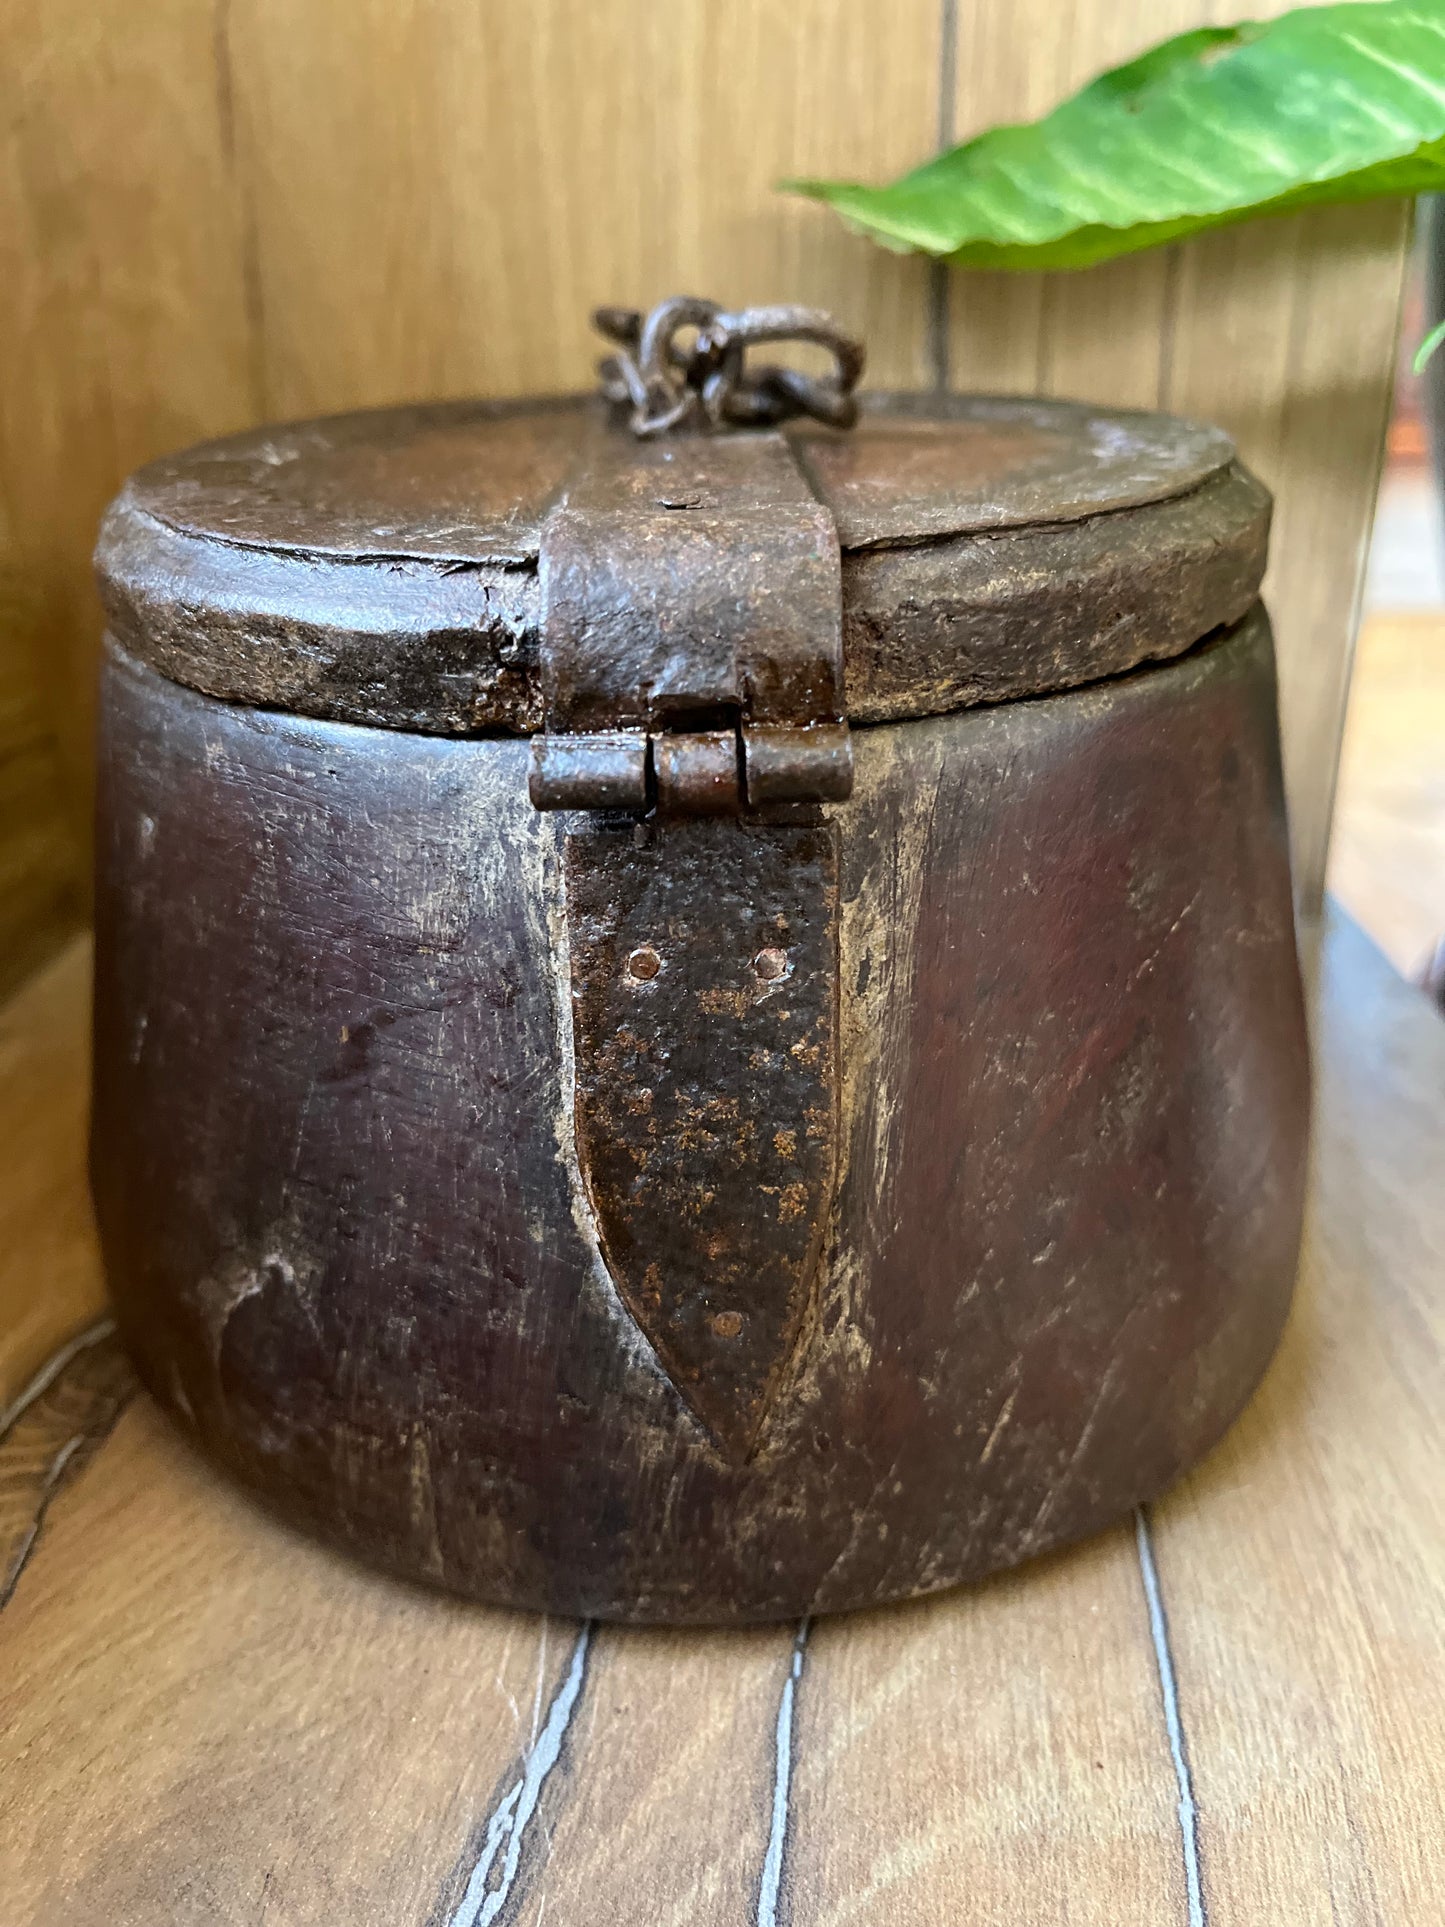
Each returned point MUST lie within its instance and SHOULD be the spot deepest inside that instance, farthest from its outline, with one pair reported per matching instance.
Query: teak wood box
(703, 1193)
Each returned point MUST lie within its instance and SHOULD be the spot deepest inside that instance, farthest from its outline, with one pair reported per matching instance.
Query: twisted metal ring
(708, 384)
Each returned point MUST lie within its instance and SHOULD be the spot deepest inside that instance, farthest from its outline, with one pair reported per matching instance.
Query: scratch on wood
(505, 1836)
(1005, 1413)
(1169, 1692)
(771, 1882)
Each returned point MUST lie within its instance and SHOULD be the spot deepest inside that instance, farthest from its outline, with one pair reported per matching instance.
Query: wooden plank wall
(213, 211)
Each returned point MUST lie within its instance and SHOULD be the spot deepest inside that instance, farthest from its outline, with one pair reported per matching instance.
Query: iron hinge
(709, 772)
(692, 658)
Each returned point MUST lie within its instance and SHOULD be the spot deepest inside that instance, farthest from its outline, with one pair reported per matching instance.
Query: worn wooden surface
(991, 549)
(215, 214)
(335, 1197)
(206, 1719)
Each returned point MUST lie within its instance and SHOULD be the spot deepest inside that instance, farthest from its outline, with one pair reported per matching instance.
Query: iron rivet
(644, 964)
(771, 965)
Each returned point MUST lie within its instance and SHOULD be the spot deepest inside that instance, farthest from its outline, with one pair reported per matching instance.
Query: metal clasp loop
(708, 384)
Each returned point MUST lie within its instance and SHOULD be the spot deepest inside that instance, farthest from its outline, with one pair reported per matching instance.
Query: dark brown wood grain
(338, 1193)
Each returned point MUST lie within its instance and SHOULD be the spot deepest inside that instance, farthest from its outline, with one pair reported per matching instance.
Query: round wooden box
(700, 1029)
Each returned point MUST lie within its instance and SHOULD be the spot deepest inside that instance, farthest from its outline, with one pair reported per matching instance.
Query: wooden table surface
(1229, 1711)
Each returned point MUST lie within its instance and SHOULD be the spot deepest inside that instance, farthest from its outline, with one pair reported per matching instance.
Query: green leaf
(1428, 346)
(1334, 103)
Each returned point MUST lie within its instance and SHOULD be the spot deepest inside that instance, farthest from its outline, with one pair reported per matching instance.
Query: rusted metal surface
(704, 969)
(382, 568)
(337, 1178)
(708, 383)
(690, 586)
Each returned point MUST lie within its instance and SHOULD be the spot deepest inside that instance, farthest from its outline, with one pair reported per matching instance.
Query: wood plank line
(672, 1782)
(1173, 1721)
(939, 273)
(1284, 335)
(51, 1370)
(49, 1436)
(774, 1860)
(252, 318)
(187, 254)
(506, 1854)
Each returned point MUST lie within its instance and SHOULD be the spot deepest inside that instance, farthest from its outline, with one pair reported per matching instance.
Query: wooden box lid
(381, 567)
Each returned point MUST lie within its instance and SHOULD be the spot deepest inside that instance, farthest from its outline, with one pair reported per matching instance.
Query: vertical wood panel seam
(939, 317)
(252, 291)
(1173, 1721)
(1044, 365)
(1312, 890)
(1168, 324)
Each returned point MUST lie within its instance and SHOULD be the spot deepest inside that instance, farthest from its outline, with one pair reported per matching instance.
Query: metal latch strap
(692, 668)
